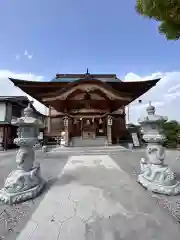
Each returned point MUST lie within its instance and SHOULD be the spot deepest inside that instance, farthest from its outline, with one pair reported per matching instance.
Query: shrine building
(88, 108)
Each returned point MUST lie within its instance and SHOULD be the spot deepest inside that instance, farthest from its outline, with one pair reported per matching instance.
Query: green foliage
(171, 130)
(167, 12)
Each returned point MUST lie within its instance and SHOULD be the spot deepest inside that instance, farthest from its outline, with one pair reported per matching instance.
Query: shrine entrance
(88, 129)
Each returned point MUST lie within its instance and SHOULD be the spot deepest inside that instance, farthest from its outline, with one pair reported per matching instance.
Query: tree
(171, 130)
(167, 12)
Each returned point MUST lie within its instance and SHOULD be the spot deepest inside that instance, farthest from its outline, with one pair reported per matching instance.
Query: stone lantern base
(21, 185)
(158, 179)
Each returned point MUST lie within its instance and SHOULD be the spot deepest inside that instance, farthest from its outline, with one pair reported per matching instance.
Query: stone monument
(156, 176)
(25, 182)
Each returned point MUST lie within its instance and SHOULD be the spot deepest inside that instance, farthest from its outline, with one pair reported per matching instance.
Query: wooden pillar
(66, 129)
(109, 130)
(49, 120)
(1, 138)
(5, 138)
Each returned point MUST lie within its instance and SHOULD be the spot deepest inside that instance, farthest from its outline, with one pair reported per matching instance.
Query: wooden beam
(86, 88)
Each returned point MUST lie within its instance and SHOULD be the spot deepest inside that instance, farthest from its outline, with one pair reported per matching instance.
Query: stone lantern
(25, 182)
(110, 121)
(156, 176)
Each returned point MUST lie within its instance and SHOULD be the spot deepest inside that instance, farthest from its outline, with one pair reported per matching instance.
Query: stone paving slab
(87, 150)
(94, 199)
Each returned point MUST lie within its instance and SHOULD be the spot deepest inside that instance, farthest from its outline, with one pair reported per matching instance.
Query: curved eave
(139, 88)
(34, 88)
(38, 90)
(18, 82)
(121, 84)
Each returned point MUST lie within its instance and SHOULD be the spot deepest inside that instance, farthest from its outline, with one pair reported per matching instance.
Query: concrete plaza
(90, 195)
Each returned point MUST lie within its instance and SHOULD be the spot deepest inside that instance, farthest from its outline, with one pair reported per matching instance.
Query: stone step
(79, 142)
(87, 149)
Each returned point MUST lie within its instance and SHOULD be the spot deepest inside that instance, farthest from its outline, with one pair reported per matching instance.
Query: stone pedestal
(21, 185)
(25, 182)
(155, 176)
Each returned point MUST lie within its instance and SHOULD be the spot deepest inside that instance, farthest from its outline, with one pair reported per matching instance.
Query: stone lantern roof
(28, 118)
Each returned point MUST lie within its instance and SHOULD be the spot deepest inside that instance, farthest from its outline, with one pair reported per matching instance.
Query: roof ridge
(13, 96)
(74, 75)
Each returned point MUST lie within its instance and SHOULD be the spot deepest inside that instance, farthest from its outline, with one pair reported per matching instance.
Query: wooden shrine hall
(88, 108)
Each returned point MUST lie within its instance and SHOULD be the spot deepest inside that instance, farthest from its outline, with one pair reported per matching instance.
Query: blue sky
(43, 37)
(71, 35)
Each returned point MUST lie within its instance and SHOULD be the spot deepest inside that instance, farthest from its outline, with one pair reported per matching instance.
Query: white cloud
(165, 95)
(132, 77)
(17, 57)
(7, 88)
(174, 88)
(27, 54)
(29, 57)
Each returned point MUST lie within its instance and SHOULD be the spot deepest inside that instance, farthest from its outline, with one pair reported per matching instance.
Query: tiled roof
(64, 79)
(19, 100)
(119, 111)
(75, 77)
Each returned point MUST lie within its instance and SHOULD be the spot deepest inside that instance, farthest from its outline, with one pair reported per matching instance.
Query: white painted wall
(2, 111)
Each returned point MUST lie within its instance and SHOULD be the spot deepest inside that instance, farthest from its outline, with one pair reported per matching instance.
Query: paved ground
(13, 219)
(130, 163)
(94, 199)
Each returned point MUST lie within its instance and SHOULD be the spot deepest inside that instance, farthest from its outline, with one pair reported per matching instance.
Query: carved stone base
(11, 198)
(159, 179)
(21, 186)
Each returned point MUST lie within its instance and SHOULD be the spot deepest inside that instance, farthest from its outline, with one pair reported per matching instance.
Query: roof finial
(87, 71)
(150, 109)
(28, 111)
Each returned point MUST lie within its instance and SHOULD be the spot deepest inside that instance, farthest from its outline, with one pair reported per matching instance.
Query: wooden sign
(135, 139)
